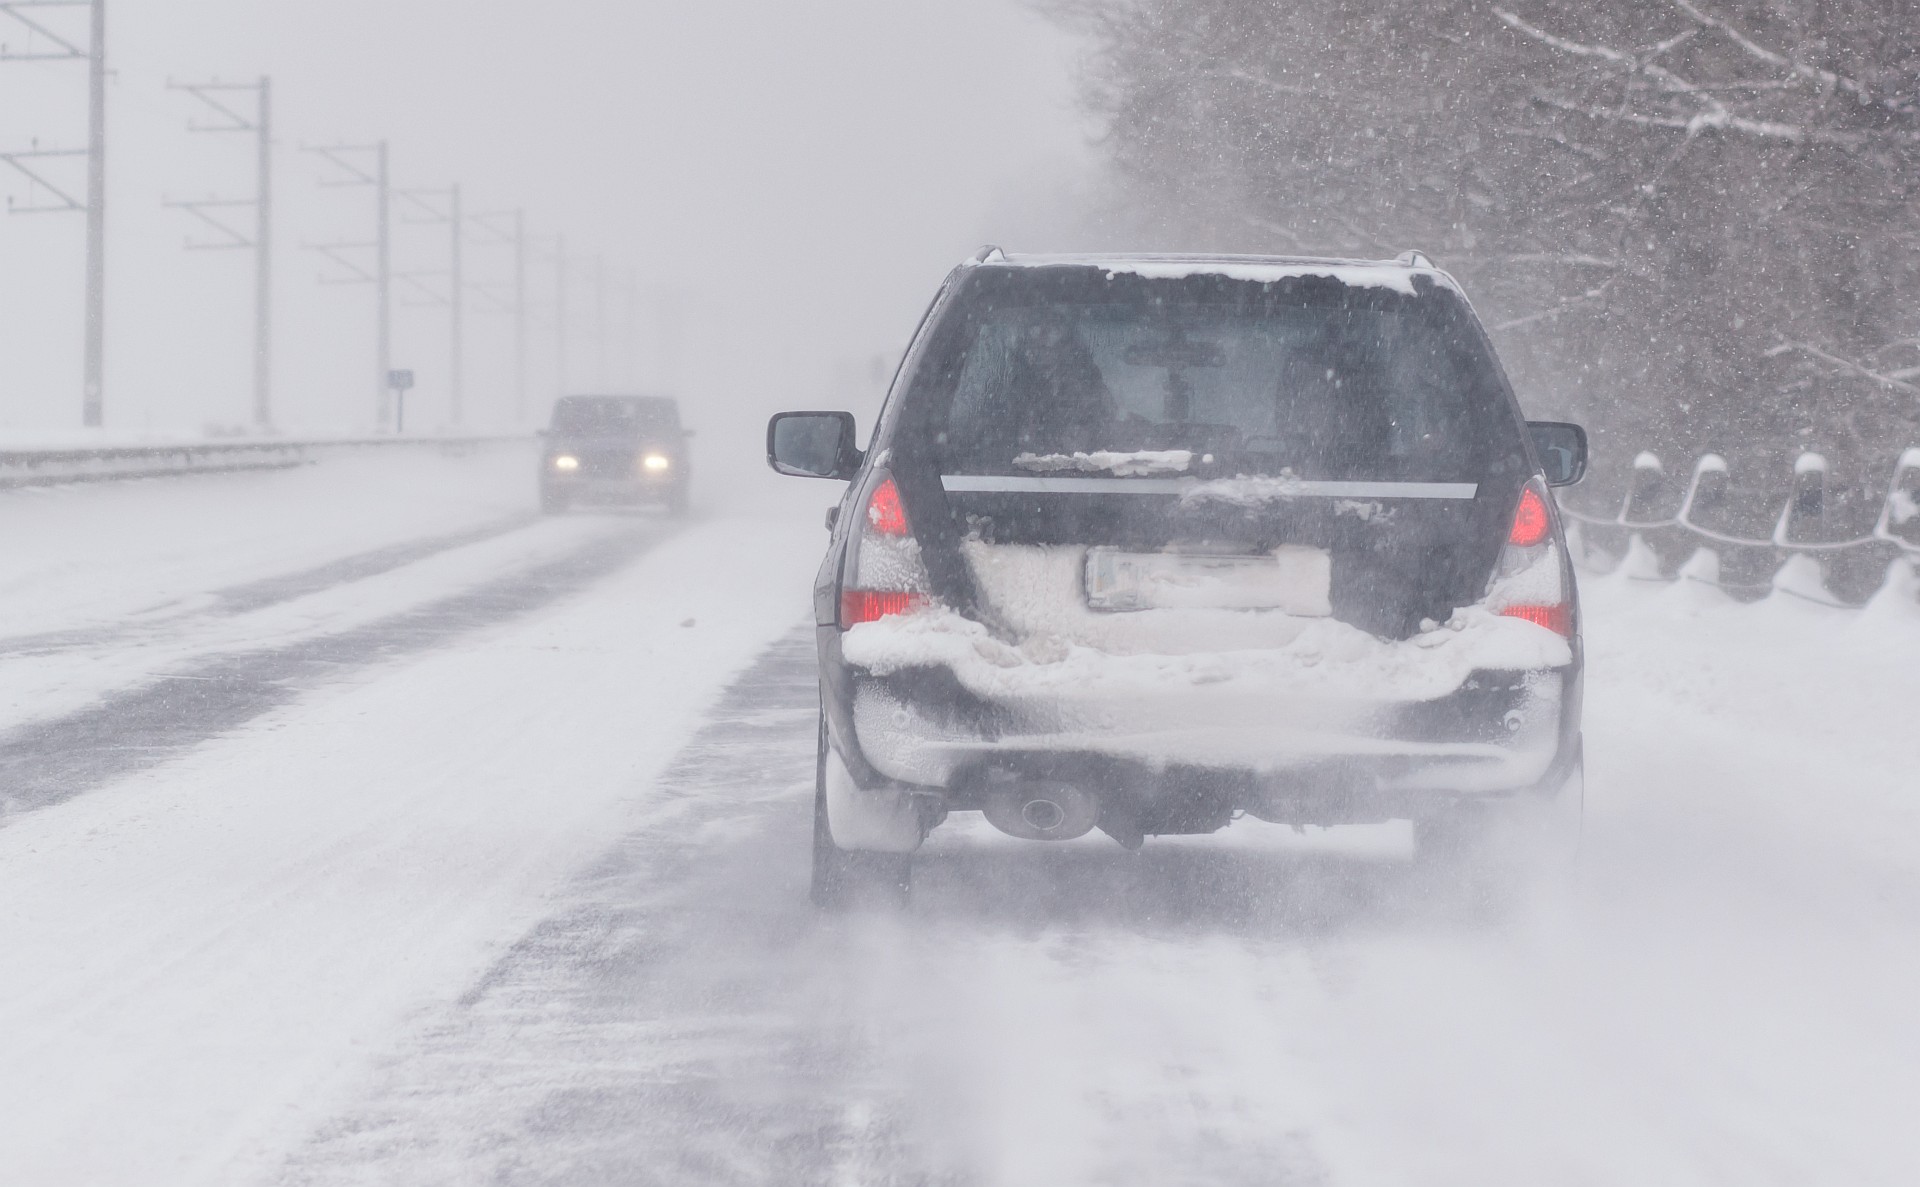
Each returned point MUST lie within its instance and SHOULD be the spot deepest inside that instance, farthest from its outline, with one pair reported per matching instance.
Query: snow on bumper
(1475, 706)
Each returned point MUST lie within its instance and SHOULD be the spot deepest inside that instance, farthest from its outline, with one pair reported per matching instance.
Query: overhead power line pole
(630, 348)
(263, 262)
(94, 410)
(457, 302)
(519, 317)
(349, 161)
(455, 296)
(601, 376)
(46, 43)
(560, 315)
(383, 367)
(509, 227)
(212, 95)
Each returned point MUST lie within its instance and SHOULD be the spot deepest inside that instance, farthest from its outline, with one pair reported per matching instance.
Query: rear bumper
(1305, 760)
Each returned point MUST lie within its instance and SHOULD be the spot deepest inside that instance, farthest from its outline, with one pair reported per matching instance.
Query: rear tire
(844, 878)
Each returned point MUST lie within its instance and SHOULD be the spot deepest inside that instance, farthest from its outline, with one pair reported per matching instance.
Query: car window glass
(1382, 387)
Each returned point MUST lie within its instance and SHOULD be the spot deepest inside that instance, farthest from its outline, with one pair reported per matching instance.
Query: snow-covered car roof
(1394, 274)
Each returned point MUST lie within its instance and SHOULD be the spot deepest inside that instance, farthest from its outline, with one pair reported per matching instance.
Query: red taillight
(1531, 522)
(1558, 619)
(869, 605)
(885, 515)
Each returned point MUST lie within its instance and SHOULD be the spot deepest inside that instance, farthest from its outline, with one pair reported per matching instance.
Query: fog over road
(477, 852)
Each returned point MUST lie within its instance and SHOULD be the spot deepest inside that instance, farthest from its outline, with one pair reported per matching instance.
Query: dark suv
(615, 449)
(1143, 542)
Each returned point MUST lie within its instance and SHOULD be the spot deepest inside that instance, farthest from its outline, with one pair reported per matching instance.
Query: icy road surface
(480, 866)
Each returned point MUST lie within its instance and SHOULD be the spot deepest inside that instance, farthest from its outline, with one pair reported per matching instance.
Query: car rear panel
(1250, 543)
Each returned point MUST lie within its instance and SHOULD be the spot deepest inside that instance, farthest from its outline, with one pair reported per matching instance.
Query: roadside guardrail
(1813, 539)
(54, 465)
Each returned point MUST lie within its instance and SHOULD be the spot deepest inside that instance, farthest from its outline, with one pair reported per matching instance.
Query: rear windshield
(614, 415)
(1075, 368)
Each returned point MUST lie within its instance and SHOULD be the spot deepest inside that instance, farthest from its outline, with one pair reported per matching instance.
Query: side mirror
(1562, 450)
(813, 445)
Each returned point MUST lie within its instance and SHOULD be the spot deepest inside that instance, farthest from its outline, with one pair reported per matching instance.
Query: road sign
(400, 381)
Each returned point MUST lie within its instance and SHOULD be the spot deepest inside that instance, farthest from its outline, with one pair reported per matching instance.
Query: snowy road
(480, 866)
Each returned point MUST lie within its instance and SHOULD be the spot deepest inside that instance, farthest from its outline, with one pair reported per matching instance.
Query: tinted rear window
(1306, 376)
(614, 415)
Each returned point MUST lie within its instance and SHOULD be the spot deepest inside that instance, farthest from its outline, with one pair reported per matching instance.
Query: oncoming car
(615, 449)
(1141, 543)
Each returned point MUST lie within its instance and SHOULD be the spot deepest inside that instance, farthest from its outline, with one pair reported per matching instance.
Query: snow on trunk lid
(1048, 644)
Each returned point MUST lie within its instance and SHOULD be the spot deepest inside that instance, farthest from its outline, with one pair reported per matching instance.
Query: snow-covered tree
(1692, 222)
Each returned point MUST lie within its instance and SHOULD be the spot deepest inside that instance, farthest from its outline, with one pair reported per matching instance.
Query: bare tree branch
(1559, 307)
(1854, 87)
(1892, 380)
(1722, 120)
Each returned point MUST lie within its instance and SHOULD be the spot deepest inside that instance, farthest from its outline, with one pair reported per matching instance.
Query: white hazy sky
(793, 179)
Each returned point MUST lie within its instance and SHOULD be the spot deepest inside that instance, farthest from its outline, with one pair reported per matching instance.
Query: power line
(346, 160)
(64, 202)
(261, 125)
(92, 50)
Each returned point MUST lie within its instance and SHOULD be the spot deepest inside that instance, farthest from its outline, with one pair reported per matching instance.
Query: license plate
(1294, 579)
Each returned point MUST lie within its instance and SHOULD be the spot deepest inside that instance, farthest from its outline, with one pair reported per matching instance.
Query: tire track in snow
(256, 595)
(686, 1017)
(634, 1037)
(271, 591)
(49, 762)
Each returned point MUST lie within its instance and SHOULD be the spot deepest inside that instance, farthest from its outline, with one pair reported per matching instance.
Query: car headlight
(658, 463)
(566, 463)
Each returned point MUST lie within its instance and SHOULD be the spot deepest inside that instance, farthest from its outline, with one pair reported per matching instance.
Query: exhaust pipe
(1042, 810)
